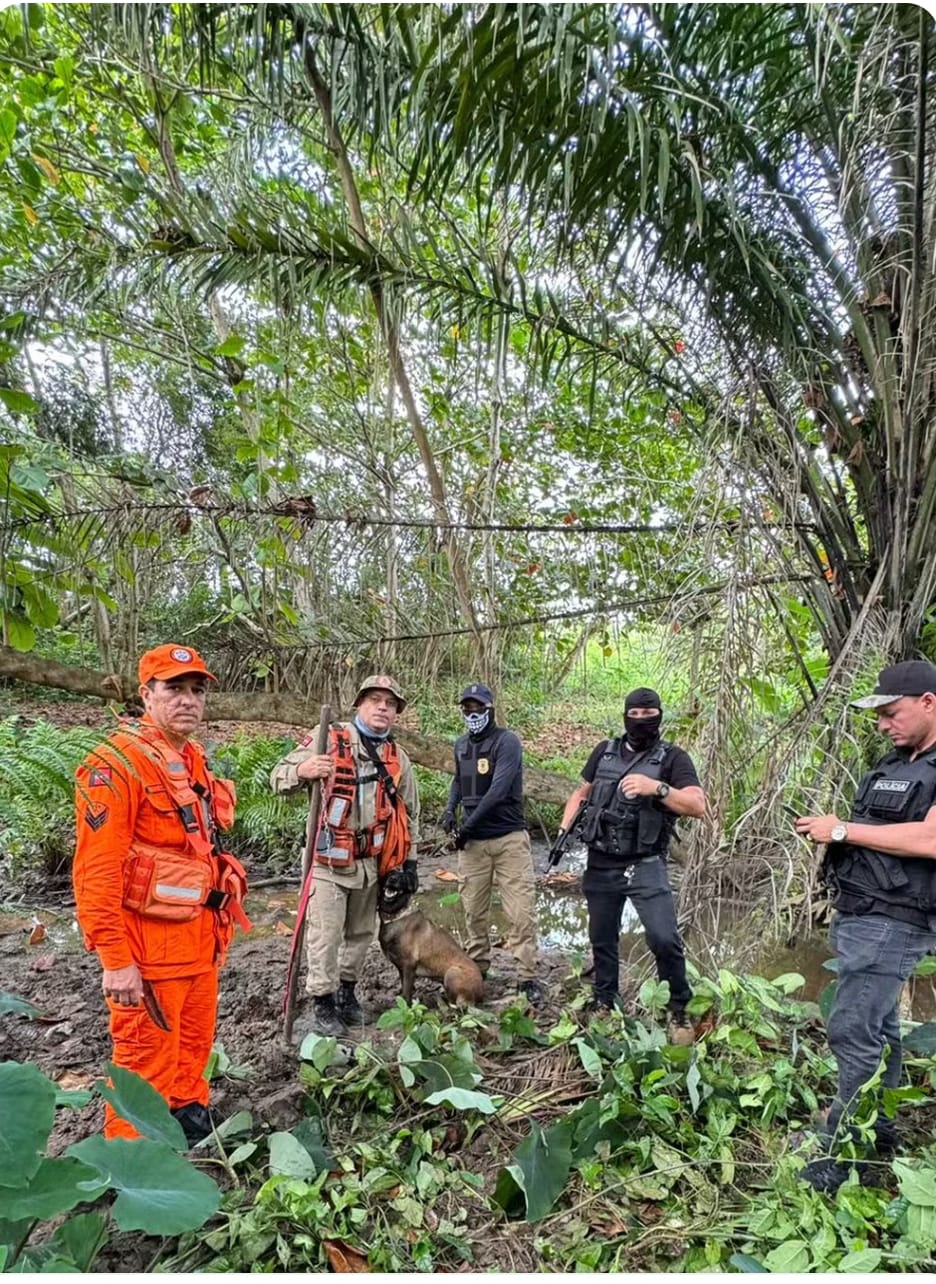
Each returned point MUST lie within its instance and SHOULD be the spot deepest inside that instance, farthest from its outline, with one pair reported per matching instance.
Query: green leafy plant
(157, 1190)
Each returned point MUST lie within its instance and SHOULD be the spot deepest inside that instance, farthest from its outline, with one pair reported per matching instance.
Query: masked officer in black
(636, 787)
(492, 839)
(881, 865)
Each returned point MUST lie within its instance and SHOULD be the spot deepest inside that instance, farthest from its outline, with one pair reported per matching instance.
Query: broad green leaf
(866, 1259)
(230, 347)
(10, 1003)
(541, 1167)
(20, 403)
(20, 633)
(748, 1265)
(289, 1158)
(310, 1134)
(789, 982)
(790, 1258)
(27, 1113)
(591, 1062)
(916, 1184)
(57, 1185)
(922, 1039)
(508, 1191)
(141, 1105)
(693, 1079)
(827, 999)
(81, 1238)
(926, 966)
(461, 1099)
(160, 1192)
(322, 1051)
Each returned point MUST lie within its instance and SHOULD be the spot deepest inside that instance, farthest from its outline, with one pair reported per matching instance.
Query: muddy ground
(69, 1042)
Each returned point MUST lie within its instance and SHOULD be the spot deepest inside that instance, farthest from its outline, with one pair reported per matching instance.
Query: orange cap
(171, 661)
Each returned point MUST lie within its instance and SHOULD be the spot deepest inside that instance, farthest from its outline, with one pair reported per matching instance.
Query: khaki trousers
(341, 924)
(508, 863)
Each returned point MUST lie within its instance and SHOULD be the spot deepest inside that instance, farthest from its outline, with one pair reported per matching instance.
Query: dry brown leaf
(282, 929)
(564, 879)
(38, 934)
(44, 964)
(343, 1259)
(446, 876)
(75, 1080)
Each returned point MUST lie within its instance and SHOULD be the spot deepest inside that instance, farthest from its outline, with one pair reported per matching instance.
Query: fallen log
(251, 706)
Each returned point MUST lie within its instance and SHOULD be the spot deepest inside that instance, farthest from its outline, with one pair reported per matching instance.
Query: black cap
(477, 691)
(643, 698)
(908, 678)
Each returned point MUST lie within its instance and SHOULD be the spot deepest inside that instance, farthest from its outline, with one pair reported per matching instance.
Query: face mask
(643, 733)
(476, 722)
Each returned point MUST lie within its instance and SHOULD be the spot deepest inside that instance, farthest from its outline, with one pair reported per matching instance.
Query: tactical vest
(337, 844)
(628, 828)
(474, 762)
(866, 881)
(175, 884)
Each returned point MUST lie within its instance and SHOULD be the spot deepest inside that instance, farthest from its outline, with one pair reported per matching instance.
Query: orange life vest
(338, 845)
(175, 884)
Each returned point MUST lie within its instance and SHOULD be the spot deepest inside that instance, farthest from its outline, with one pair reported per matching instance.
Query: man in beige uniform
(342, 911)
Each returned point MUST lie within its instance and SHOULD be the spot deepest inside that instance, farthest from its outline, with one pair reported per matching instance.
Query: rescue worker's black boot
(325, 1018)
(348, 1007)
(197, 1121)
(534, 993)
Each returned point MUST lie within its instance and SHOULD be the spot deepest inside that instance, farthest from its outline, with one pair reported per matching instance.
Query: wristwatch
(839, 832)
(662, 789)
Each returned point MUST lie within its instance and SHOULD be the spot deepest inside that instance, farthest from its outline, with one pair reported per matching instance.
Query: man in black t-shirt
(636, 786)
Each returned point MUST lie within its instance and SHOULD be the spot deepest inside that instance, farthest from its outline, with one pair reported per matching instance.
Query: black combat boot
(325, 1018)
(534, 992)
(197, 1121)
(348, 1007)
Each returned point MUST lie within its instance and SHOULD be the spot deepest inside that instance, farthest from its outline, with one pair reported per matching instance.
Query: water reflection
(563, 927)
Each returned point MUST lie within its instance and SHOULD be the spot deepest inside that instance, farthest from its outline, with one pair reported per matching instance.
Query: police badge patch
(100, 776)
(484, 766)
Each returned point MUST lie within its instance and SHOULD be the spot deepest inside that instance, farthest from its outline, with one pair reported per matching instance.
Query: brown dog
(418, 947)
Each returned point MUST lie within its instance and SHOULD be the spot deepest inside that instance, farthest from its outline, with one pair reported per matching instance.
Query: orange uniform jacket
(121, 795)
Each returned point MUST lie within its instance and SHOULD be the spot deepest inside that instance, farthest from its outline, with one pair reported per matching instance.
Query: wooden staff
(315, 806)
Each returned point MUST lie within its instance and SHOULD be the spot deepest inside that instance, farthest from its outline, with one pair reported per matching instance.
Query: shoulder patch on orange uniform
(95, 816)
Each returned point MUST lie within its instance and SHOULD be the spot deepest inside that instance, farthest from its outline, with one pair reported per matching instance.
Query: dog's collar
(405, 912)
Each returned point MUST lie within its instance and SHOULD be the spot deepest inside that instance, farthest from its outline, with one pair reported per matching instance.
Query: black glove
(461, 838)
(448, 822)
(403, 878)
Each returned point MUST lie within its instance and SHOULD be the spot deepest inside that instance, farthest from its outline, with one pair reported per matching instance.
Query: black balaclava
(642, 733)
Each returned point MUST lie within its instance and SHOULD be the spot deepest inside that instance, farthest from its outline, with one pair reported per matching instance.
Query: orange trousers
(172, 1061)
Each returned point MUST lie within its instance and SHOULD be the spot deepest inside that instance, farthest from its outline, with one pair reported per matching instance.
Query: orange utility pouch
(165, 884)
(223, 801)
(227, 897)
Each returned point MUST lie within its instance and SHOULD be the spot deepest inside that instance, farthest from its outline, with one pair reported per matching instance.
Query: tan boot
(680, 1029)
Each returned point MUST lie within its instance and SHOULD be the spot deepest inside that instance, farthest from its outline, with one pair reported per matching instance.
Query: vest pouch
(224, 798)
(887, 871)
(164, 884)
(232, 883)
(336, 812)
(331, 854)
(649, 828)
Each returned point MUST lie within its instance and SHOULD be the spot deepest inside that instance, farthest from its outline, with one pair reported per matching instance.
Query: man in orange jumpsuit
(157, 898)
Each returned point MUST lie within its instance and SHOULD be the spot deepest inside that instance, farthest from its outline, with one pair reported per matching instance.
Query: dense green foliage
(156, 1190)
(598, 1147)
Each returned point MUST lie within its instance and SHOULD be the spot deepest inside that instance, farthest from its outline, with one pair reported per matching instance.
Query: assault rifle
(566, 837)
